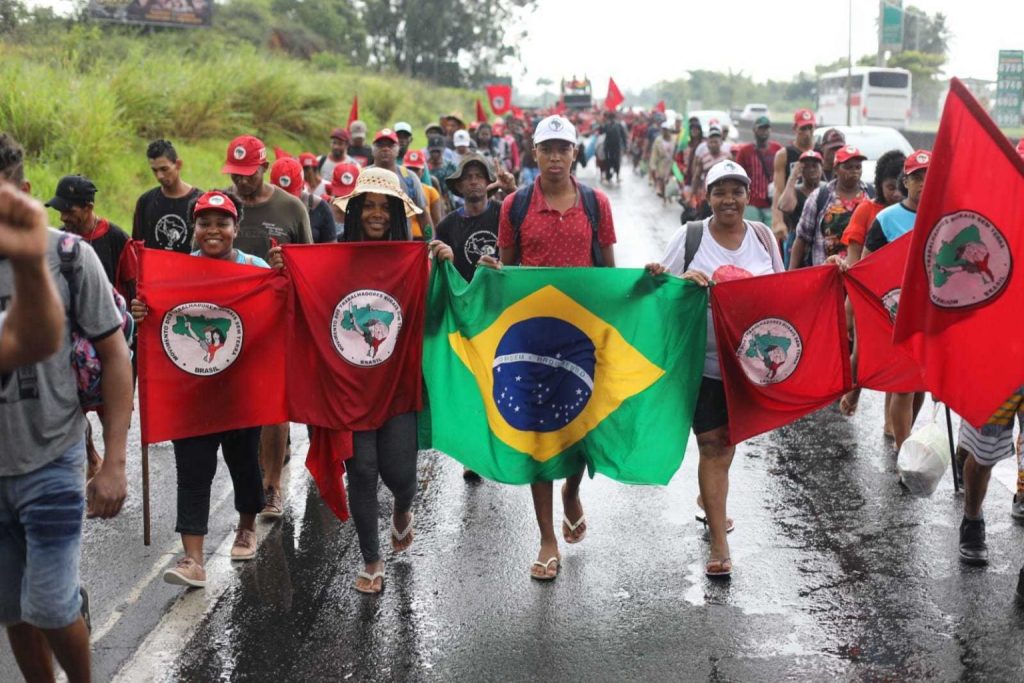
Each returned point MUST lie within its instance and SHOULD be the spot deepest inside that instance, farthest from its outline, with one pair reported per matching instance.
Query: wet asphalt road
(839, 575)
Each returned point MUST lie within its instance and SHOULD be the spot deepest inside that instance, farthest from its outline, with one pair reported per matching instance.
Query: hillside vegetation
(87, 99)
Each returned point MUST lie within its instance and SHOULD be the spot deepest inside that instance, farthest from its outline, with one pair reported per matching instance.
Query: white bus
(877, 97)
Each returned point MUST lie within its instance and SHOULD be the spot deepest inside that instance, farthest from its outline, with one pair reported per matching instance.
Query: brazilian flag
(534, 373)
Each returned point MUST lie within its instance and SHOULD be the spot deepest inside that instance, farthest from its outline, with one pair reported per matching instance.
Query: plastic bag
(923, 459)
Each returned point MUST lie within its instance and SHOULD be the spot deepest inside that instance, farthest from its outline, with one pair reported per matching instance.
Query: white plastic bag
(923, 459)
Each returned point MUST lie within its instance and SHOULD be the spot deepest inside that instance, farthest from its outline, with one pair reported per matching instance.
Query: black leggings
(389, 452)
(196, 458)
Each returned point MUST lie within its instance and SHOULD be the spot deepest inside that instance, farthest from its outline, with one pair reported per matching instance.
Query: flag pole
(145, 495)
(952, 450)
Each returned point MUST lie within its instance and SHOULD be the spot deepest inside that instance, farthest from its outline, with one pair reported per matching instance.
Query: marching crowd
(491, 195)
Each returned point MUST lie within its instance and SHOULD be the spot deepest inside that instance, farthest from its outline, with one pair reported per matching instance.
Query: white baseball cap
(555, 128)
(727, 170)
(461, 139)
(403, 127)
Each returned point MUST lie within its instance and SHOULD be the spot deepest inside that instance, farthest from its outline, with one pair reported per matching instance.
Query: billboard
(153, 12)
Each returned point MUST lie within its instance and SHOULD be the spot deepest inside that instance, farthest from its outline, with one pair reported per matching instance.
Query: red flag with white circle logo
(782, 347)
(355, 332)
(212, 348)
(963, 287)
(500, 97)
(873, 285)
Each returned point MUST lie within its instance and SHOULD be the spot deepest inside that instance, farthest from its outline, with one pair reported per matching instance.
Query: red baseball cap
(803, 117)
(286, 173)
(245, 156)
(215, 201)
(811, 154)
(341, 134)
(343, 180)
(918, 159)
(307, 159)
(414, 159)
(848, 153)
(385, 134)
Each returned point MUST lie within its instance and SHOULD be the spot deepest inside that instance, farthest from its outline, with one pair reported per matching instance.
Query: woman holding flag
(216, 217)
(719, 248)
(377, 210)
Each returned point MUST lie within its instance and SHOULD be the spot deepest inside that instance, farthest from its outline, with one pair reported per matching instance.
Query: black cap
(72, 190)
(436, 142)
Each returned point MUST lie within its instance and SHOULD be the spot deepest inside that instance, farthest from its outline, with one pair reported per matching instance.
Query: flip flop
(847, 408)
(718, 569)
(546, 566)
(730, 525)
(569, 537)
(397, 536)
(371, 578)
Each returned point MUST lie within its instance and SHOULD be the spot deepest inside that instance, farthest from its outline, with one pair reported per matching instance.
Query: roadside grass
(89, 100)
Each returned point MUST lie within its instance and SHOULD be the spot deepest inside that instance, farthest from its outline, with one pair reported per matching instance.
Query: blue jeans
(40, 541)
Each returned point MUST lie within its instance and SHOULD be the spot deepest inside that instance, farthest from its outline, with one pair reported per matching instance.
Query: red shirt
(550, 238)
(863, 216)
(760, 171)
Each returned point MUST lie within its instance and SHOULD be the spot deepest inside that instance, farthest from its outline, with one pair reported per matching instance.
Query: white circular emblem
(170, 231)
(499, 102)
(239, 152)
(555, 125)
(851, 150)
(215, 200)
(480, 243)
(967, 260)
(365, 327)
(891, 302)
(202, 339)
(769, 351)
(285, 181)
(922, 158)
(346, 178)
(806, 115)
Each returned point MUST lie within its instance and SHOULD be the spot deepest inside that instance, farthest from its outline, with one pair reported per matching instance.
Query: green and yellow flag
(534, 373)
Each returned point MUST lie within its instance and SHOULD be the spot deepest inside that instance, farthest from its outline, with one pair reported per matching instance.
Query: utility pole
(849, 61)
(880, 59)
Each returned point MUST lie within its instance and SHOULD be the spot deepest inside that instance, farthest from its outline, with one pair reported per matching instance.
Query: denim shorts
(40, 539)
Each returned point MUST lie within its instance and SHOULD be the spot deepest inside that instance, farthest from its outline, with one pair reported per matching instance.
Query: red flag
(212, 349)
(328, 451)
(517, 113)
(500, 97)
(355, 332)
(963, 288)
(614, 97)
(481, 115)
(353, 113)
(660, 107)
(873, 286)
(280, 153)
(560, 108)
(782, 347)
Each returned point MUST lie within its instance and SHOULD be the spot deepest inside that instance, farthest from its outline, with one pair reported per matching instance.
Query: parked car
(751, 112)
(872, 141)
(706, 116)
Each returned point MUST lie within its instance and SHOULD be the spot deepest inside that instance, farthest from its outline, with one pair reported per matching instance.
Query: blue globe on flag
(543, 374)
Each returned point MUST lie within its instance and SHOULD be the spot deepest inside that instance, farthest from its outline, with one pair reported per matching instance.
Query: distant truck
(577, 94)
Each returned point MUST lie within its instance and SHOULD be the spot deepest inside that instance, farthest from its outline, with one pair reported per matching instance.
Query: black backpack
(521, 203)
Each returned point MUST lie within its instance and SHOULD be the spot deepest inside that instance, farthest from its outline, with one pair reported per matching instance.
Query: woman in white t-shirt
(728, 248)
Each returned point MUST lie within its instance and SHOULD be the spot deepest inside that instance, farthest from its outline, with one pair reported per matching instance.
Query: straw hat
(380, 181)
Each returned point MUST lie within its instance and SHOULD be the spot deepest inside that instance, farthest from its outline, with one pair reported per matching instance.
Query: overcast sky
(640, 42)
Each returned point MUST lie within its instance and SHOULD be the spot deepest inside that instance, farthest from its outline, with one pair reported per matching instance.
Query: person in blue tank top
(898, 219)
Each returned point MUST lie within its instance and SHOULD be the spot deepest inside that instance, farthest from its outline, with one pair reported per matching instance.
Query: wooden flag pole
(145, 495)
(952, 449)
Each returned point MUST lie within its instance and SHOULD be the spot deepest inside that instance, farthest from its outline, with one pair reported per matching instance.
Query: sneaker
(1017, 508)
(244, 547)
(274, 507)
(86, 616)
(187, 572)
(972, 542)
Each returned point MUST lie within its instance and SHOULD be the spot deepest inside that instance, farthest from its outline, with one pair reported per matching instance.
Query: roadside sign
(1009, 88)
(892, 25)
